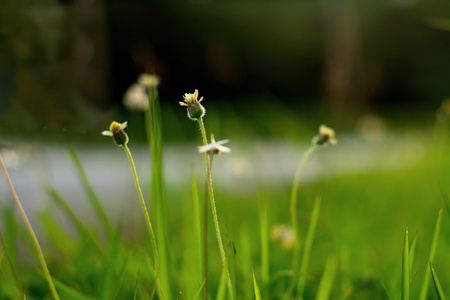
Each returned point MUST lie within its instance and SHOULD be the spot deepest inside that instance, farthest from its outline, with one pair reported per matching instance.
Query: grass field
(348, 234)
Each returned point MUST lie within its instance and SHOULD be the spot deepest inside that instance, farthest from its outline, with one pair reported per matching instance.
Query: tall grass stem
(31, 231)
(154, 137)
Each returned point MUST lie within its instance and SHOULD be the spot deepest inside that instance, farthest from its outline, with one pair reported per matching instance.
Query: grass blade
(32, 234)
(199, 290)
(426, 280)
(82, 229)
(136, 286)
(308, 246)
(264, 248)
(412, 252)
(405, 267)
(69, 292)
(221, 292)
(256, 287)
(4, 253)
(326, 283)
(154, 136)
(200, 236)
(439, 291)
(90, 192)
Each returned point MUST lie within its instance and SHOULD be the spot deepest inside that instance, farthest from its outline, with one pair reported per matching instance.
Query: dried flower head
(149, 80)
(116, 131)
(326, 136)
(214, 147)
(194, 109)
(284, 235)
(136, 98)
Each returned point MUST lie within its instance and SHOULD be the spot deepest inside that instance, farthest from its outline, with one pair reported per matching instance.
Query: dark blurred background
(65, 65)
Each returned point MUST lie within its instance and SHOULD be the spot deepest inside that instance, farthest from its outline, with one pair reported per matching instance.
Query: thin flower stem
(33, 235)
(147, 220)
(214, 210)
(205, 215)
(294, 219)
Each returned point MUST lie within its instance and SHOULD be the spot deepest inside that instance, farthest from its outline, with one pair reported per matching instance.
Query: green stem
(33, 235)
(205, 215)
(214, 210)
(158, 210)
(294, 219)
(147, 220)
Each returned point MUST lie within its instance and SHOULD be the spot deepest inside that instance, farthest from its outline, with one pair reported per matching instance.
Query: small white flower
(326, 135)
(214, 147)
(136, 98)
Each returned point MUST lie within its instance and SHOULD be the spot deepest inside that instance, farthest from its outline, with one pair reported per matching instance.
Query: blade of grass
(199, 290)
(256, 287)
(388, 294)
(201, 241)
(265, 273)
(90, 192)
(120, 280)
(437, 286)
(69, 292)
(31, 231)
(110, 280)
(10, 231)
(221, 292)
(308, 246)
(82, 229)
(412, 252)
(434, 242)
(154, 137)
(326, 283)
(4, 253)
(136, 286)
(405, 267)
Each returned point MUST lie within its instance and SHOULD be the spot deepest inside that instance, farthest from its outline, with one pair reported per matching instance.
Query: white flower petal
(107, 133)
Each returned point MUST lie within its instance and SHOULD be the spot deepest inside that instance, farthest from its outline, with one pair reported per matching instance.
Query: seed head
(194, 109)
(325, 136)
(117, 132)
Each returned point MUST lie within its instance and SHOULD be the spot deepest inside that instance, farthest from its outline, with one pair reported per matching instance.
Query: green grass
(352, 242)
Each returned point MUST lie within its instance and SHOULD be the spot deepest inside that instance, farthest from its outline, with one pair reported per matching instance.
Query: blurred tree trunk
(89, 63)
(343, 81)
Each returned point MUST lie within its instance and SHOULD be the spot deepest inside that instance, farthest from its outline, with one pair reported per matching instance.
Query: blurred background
(65, 65)
(271, 72)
